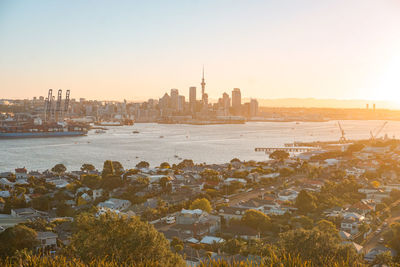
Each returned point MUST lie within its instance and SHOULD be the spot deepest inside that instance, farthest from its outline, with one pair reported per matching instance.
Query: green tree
(317, 247)
(279, 155)
(87, 167)
(393, 236)
(201, 203)
(233, 246)
(17, 238)
(93, 181)
(128, 241)
(305, 202)
(59, 169)
(142, 165)
(256, 220)
(165, 165)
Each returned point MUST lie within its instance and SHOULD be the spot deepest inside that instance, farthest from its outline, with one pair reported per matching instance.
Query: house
(5, 183)
(287, 194)
(97, 193)
(351, 222)
(232, 212)
(360, 208)
(21, 173)
(47, 240)
(344, 235)
(209, 240)
(27, 213)
(115, 204)
(5, 194)
(242, 231)
(230, 180)
(198, 216)
(58, 182)
(370, 256)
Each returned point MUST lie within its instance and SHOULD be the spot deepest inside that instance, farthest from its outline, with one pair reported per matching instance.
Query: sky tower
(203, 86)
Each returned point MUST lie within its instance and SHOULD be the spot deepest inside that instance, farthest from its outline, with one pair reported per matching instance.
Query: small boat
(161, 136)
(99, 131)
(176, 156)
(135, 131)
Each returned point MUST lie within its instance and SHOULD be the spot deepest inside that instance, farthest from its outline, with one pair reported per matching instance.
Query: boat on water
(108, 123)
(10, 131)
(135, 132)
(99, 131)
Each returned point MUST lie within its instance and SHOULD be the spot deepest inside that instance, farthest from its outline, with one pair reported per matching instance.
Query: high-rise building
(174, 98)
(192, 98)
(181, 103)
(236, 101)
(253, 108)
(226, 103)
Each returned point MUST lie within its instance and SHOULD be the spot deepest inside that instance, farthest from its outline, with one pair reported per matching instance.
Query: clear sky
(346, 49)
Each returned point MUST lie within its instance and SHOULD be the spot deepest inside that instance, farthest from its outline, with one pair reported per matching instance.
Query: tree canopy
(201, 203)
(279, 155)
(126, 240)
(17, 238)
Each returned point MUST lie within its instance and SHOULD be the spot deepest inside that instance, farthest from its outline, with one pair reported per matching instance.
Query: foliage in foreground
(25, 259)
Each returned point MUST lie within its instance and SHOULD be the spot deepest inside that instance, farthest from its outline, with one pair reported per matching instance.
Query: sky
(134, 50)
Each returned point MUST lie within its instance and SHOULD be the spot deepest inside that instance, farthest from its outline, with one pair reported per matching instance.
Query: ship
(28, 130)
(53, 124)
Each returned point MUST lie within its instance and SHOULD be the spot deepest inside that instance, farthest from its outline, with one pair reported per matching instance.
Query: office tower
(226, 103)
(203, 87)
(253, 107)
(181, 103)
(192, 98)
(174, 98)
(236, 101)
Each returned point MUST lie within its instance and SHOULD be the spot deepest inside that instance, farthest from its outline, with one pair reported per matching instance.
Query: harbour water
(156, 143)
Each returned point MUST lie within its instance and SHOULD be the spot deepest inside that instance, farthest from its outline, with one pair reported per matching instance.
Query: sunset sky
(136, 50)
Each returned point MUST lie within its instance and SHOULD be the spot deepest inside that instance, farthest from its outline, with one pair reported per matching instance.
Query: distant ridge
(324, 103)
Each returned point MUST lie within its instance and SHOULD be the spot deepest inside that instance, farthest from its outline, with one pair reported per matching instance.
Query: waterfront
(205, 143)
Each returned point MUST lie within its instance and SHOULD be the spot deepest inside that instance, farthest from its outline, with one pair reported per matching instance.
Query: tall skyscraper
(203, 87)
(192, 98)
(253, 108)
(236, 101)
(181, 103)
(174, 98)
(226, 103)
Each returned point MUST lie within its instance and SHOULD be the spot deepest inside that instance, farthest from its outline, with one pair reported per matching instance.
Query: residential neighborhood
(205, 208)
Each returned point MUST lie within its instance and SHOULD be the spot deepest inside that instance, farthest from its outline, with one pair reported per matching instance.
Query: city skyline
(136, 51)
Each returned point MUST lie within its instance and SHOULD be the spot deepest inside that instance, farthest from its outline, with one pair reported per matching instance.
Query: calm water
(210, 143)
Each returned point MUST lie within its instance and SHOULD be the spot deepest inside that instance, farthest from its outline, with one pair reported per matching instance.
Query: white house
(115, 204)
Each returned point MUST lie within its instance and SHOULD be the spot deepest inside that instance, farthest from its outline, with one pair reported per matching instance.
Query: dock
(293, 149)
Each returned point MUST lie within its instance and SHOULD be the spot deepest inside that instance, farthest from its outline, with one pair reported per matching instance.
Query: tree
(233, 246)
(201, 203)
(17, 238)
(93, 181)
(87, 167)
(59, 169)
(305, 202)
(393, 236)
(327, 227)
(165, 165)
(256, 220)
(176, 244)
(317, 247)
(279, 155)
(383, 259)
(128, 241)
(142, 165)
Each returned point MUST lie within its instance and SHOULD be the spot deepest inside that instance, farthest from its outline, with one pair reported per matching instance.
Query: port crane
(342, 138)
(374, 136)
(56, 112)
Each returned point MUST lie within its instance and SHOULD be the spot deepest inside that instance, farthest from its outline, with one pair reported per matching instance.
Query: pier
(292, 149)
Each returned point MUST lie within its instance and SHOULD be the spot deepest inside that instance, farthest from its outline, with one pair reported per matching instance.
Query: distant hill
(324, 103)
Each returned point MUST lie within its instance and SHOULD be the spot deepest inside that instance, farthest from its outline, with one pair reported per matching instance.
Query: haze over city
(138, 50)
